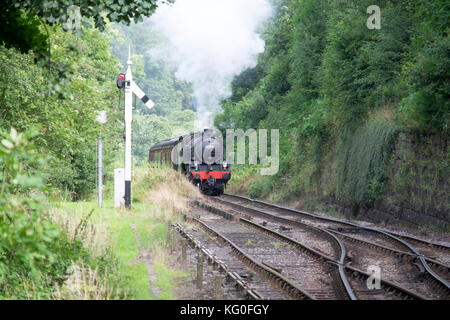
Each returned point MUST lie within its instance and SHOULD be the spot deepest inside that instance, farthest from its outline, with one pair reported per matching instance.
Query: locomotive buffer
(125, 81)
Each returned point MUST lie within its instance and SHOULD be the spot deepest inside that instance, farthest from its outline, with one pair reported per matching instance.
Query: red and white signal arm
(121, 82)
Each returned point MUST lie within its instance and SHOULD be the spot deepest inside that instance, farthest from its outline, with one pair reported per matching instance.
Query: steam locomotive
(197, 155)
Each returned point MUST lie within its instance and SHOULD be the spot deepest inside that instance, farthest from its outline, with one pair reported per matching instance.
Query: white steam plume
(210, 41)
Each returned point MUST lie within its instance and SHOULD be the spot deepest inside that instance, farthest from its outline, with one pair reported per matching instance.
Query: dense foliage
(54, 107)
(62, 100)
(63, 106)
(20, 20)
(34, 252)
(49, 132)
(325, 78)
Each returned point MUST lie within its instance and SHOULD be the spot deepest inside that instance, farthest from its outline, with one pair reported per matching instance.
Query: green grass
(151, 221)
(152, 232)
(111, 229)
(133, 277)
(133, 273)
(165, 280)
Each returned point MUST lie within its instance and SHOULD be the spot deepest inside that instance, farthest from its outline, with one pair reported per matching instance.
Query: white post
(100, 171)
(128, 120)
(101, 117)
(119, 191)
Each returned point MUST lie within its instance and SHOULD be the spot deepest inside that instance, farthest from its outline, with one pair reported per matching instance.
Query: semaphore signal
(125, 82)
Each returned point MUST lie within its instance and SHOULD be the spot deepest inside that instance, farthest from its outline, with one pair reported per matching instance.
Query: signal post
(126, 82)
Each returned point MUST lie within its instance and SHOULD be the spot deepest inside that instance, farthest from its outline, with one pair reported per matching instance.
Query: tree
(65, 114)
(19, 19)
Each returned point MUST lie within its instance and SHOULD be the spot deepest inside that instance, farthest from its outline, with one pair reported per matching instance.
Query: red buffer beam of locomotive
(202, 175)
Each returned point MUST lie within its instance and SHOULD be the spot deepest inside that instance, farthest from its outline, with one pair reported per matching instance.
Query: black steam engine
(199, 156)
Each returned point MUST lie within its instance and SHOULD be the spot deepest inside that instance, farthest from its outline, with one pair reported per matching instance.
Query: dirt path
(146, 258)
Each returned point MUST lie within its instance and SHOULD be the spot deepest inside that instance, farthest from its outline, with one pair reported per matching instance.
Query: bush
(261, 188)
(26, 236)
(35, 253)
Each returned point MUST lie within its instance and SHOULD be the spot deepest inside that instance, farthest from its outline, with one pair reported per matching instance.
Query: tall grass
(77, 225)
(85, 283)
(169, 190)
(90, 278)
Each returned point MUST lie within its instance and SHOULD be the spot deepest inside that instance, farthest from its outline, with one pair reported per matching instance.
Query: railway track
(265, 282)
(248, 284)
(317, 275)
(436, 251)
(402, 261)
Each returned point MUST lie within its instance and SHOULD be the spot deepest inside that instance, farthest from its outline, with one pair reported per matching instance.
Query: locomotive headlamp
(225, 164)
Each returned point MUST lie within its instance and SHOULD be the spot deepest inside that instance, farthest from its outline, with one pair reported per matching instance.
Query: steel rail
(349, 293)
(396, 252)
(273, 275)
(314, 229)
(312, 215)
(339, 263)
(442, 283)
(388, 286)
(252, 293)
(437, 264)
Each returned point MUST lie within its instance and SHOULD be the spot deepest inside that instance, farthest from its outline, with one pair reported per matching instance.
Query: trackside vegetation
(53, 248)
(54, 241)
(36, 250)
(341, 93)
